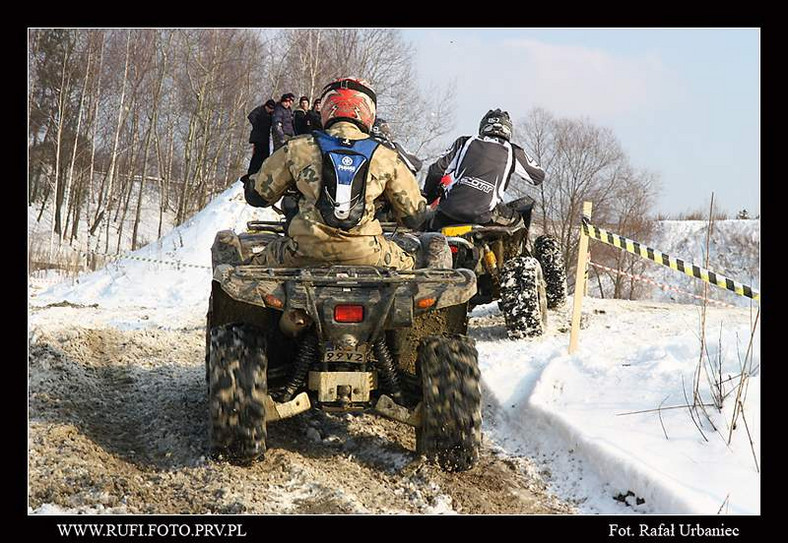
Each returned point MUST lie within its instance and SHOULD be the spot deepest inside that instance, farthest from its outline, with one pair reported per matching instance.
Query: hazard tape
(660, 285)
(169, 263)
(112, 258)
(677, 264)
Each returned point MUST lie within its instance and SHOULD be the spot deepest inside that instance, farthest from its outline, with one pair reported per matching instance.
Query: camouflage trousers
(378, 251)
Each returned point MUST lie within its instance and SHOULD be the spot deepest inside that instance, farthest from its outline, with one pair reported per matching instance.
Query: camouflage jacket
(298, 164)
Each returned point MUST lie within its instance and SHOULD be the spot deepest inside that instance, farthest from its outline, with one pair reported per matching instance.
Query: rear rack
(279, 226)
(350, 275)
(266, 226)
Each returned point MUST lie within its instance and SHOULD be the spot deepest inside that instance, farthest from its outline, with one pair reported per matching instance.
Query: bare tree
(62, 111)
(111, 110)
(115, 146)
(419, 118)
(630, 216)
(586, 162)
(160, 49)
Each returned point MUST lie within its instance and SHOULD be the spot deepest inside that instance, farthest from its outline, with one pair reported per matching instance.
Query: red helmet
(349, 99)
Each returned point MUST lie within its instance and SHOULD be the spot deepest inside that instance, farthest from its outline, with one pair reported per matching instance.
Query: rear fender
(390, 298)
(251, 285)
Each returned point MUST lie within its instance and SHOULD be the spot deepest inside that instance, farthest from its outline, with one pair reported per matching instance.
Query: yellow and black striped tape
(677, 264)
(176, 263)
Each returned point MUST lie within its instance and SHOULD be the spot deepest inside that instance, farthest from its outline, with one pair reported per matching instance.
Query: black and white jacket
(480, 168)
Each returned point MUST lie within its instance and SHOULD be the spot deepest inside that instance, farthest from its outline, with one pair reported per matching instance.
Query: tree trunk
(39, 165)
(138, 211)
(58, 145)
(125, 200)
(114, 154)
(166, 182)
(47, 190)
(91, 228)
(154, 118)
(179, 216)
(70, 179)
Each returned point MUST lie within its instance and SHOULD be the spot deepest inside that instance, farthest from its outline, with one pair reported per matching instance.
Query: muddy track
(118, 424)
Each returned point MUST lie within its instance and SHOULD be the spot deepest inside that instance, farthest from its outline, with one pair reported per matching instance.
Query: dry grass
(710, 371)
(68, 260)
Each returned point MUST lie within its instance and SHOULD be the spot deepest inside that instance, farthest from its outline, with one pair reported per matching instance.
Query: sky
(683, 102)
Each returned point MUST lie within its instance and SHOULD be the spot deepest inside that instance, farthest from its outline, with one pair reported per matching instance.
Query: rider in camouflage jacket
(348, 113)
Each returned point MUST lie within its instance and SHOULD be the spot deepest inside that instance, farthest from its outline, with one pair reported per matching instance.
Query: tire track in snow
(118, 424)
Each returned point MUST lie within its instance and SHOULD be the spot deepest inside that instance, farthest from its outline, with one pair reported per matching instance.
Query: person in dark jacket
(282, 123)
(300, 116)
(313, 119)
(382, 133)
(260, 137)
(467, 184)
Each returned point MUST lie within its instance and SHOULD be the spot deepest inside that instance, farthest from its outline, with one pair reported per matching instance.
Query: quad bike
(526, 281)
(281, 341)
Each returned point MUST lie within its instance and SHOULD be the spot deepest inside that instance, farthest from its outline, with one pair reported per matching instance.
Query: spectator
(260, 137)
(282, 122)
(300, 116)
(313, 117)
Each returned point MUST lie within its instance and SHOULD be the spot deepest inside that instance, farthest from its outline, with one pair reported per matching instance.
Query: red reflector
(454, 248)
(425, 303)
(349, 313)
(273, 301)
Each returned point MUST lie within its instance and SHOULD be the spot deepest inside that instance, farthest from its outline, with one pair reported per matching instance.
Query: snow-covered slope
(573, 415)
(594, 419)
(733, 250)
(174, 271)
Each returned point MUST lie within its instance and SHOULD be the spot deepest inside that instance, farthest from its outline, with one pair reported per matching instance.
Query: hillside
(600, 431)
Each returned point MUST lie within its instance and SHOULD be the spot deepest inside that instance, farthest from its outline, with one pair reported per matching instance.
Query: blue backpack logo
(345, 166)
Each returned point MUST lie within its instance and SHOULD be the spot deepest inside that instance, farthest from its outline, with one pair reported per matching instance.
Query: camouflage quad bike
(525, 282)
(281, 341)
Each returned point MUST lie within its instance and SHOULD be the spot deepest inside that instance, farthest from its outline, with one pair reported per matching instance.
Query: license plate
(356, 356)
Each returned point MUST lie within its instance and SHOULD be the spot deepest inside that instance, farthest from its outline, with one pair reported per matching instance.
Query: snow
(575, 411)
(733, 250)
(172, 273)
(572, 415)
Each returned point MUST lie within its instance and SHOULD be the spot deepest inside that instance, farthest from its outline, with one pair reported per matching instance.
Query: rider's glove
(442, 184)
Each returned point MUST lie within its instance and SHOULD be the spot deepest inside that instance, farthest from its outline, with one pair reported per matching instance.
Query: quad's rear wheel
(237, 390)
(523, 297)
(451, 413)
(547, 251)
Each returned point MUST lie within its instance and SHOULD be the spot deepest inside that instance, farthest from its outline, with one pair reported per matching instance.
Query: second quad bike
(525, 280)
(281, 341)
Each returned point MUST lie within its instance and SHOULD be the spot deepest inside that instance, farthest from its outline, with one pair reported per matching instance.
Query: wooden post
(581, 278)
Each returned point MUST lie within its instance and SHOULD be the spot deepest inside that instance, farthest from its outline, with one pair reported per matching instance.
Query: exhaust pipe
(293, 322)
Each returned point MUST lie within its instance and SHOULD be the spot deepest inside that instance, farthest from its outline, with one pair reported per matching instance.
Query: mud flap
(277, 411)
(389, 408)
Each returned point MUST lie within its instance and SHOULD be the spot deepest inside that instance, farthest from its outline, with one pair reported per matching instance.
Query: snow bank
(176, 284)
(734, 251)
(566, 413)
(571, 412)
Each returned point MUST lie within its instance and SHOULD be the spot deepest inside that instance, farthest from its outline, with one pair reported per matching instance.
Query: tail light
(425, 303)
(349, 313)
(273, 301)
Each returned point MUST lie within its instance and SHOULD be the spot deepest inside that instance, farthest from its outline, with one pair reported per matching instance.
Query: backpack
(343, 192)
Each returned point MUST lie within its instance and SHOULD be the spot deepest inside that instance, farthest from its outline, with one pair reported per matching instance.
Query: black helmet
(496, 123)
(381, 128)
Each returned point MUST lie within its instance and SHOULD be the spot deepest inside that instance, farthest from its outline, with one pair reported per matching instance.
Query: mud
(118, 424)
